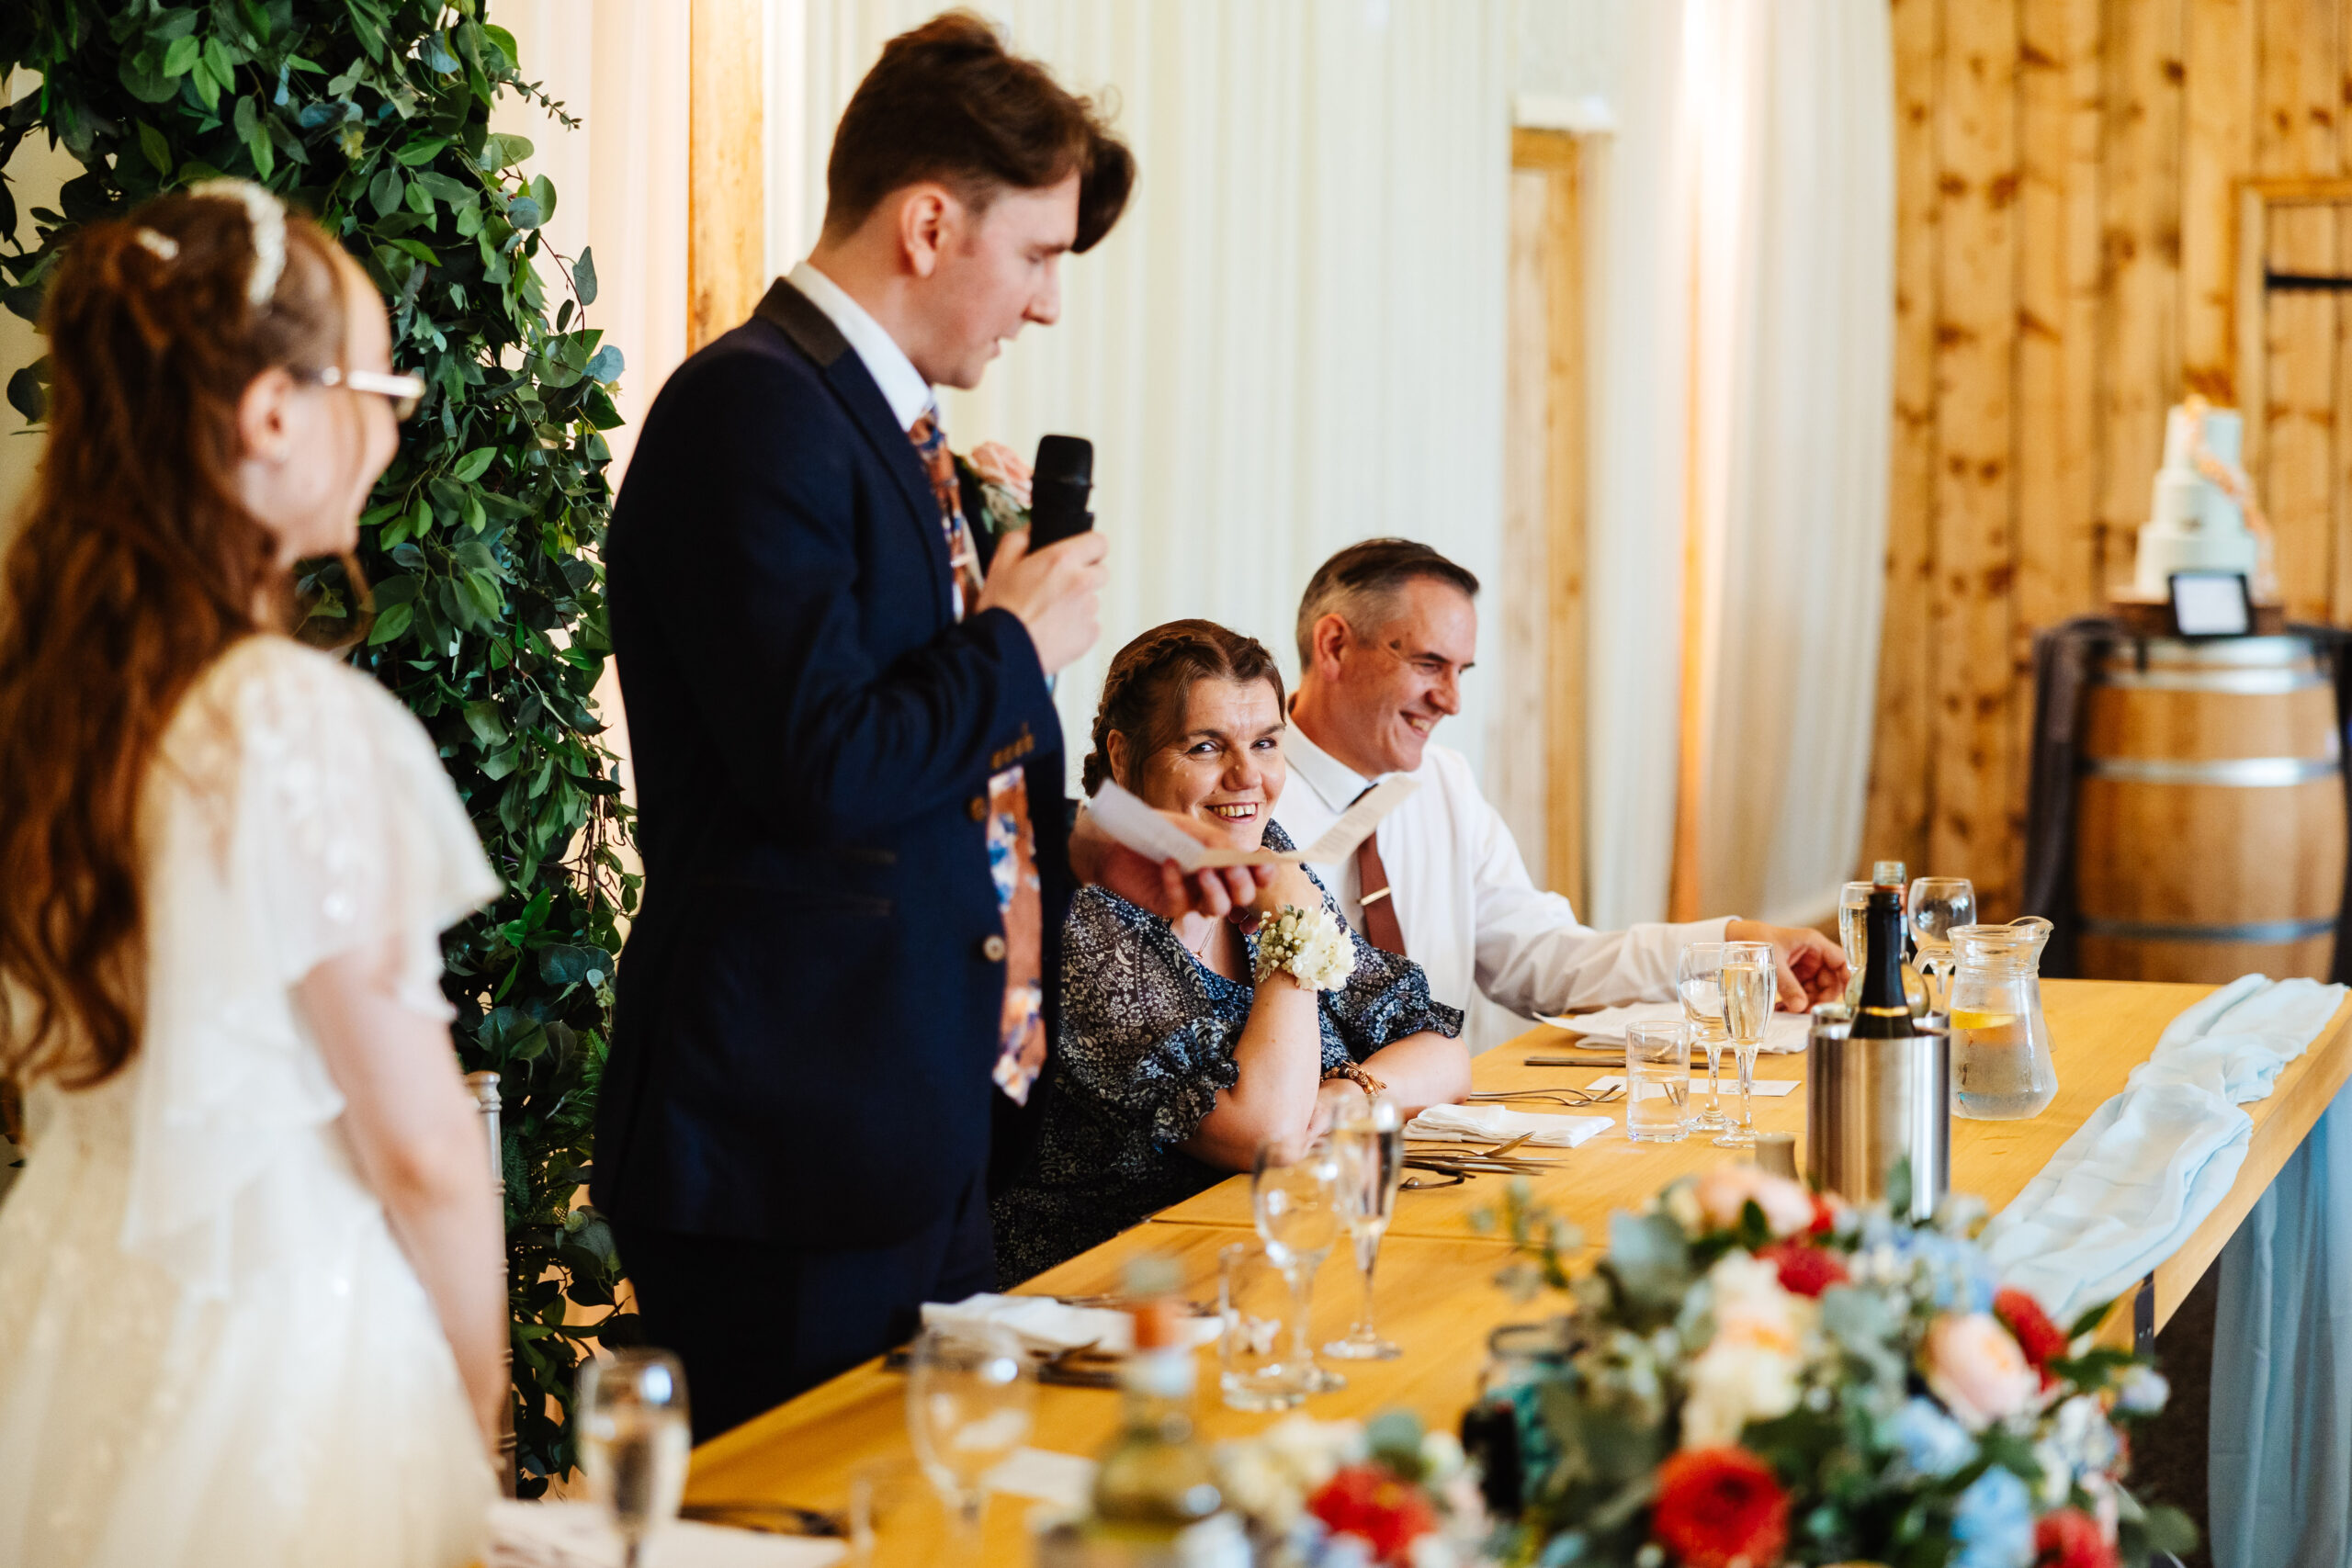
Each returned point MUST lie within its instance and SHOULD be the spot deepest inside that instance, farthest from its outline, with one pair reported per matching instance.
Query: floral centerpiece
(1765, 1376)
(1337, 1494)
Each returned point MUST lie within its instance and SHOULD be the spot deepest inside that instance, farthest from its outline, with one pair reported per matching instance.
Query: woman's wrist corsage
(1308, 943)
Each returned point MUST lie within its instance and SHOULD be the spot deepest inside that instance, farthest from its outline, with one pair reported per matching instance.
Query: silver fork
(1572, 1098)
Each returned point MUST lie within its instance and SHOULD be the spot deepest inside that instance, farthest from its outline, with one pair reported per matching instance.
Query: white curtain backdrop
(1639, 326)
(1294, 339)
(1794, 381)
(1741, 396)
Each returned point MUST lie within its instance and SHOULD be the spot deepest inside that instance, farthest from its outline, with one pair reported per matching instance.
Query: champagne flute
(1370, 1142)
(1697, 979)
(1937, 904)
(1750, 981)
(634, 1437)
(1853, 935)
(1296, 1201)
(971, 1403)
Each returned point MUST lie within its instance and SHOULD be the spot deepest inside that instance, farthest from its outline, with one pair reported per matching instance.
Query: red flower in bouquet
(1373, 1504)
(1825, 1215)
(2042, 1341)
(1719, 1508)
(1804, 1270)
(2071, 1539)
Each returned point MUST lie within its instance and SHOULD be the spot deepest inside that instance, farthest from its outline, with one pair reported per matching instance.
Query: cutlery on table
(767, 1519)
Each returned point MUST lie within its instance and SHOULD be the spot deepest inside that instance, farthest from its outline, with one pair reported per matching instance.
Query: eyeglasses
(403, 390)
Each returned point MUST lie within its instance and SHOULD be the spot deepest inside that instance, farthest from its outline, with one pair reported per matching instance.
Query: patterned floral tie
(962, 560)
(1012, 841)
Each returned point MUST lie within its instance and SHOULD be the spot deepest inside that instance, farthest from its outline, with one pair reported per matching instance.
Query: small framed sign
(2211, 603)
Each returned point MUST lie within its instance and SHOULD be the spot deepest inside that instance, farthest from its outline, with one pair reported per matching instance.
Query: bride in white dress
(252, 1281)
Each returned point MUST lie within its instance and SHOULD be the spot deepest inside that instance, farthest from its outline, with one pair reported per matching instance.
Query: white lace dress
(211, 1349)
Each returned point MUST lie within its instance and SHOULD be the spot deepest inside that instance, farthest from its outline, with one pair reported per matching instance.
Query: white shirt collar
(1337, 783)
(902, 385)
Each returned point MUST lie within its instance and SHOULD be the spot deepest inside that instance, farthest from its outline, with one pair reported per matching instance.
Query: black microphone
(1059, 489)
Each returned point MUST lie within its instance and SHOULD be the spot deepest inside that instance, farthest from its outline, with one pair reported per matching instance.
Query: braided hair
(1145, 692)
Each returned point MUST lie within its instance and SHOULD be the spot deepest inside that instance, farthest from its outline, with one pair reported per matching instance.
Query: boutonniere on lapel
(1001, 477)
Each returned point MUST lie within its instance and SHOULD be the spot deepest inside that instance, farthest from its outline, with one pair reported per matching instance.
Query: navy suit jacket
(808, 1002)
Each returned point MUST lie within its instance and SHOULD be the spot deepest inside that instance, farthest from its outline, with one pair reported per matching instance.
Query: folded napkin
(1041, 1323)
(578, 1535)
(2141, 1174)
(1066, 1481)
(1784, 1032)
(1494, 1124)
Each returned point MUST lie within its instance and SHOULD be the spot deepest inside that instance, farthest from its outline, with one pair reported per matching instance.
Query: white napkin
(1041, 1323)
(1064, 1479)
(1127, 819)
(578, 1535)
(1784, 1032)
(2134, 1180)
(1765, 1088)
(1494, 1124)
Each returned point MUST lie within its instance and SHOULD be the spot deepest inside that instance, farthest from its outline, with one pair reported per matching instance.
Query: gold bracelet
(1357, 1076)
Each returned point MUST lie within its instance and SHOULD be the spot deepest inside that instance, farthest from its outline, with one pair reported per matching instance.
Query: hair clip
(163, 245)
(265, 217)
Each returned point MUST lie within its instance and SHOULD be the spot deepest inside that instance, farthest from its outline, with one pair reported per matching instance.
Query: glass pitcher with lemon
(2001, 1065)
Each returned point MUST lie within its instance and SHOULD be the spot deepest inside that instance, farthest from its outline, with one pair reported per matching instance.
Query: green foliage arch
(482, 539)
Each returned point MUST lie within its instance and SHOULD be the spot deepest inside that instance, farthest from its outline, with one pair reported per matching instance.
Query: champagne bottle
(1156, 1482)
(1883, 1011)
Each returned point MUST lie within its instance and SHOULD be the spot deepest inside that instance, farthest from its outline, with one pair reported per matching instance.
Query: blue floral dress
(1145, 1042)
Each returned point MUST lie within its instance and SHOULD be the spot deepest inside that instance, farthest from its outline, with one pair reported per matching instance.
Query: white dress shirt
(1471, 916)
(902, 385)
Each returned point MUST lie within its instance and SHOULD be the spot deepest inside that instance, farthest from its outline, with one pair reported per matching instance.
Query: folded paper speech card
(1127, 819)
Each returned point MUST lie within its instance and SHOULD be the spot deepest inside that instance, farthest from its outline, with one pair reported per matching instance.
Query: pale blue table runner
(2136, 1180)
(2142, 1173)
(2280, 1449)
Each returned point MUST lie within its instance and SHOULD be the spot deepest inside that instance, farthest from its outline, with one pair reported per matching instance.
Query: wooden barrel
(2210, 826)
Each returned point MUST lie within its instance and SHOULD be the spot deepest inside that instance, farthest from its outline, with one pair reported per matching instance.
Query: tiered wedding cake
(2198, 524)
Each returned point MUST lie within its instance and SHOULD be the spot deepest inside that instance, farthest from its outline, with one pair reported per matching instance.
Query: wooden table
(1437, 1298)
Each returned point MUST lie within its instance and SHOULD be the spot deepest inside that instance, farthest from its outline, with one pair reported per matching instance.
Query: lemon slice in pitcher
(1964, 1018)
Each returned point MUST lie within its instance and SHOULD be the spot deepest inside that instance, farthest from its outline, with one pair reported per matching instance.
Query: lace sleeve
(295, 812)
(1387, 999)
(347, 826)
(1140, 1034)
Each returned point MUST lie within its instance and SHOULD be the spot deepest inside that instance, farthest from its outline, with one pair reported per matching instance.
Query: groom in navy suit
(858, 851)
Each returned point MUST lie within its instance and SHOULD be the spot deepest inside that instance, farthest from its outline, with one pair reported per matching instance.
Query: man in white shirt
(1386, 629)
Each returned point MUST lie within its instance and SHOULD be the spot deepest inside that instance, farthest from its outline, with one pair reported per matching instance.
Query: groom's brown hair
(948, 102)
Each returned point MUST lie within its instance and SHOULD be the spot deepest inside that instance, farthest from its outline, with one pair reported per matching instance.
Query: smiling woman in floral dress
(1183, 1047)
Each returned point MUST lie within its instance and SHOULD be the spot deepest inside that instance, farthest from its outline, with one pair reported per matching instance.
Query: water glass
(1853, 935)
(1697, 980)
(1657, 1081)
(971, 1403)
(1294, 1198)
(1937, 904)
(1370, 1142)
(1254, 1302)
(1750, 982)
(634, 1437)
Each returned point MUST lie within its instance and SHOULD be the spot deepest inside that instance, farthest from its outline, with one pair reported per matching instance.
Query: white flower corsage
(1307, 942)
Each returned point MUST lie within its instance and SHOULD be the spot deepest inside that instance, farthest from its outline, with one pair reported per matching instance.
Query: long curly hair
(1145, 692)
(137, 566)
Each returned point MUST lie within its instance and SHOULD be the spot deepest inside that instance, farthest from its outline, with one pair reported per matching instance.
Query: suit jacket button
(994, 950)
(979, 808)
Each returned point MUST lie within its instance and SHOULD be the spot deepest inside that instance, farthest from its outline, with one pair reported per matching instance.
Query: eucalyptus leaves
(480, 541)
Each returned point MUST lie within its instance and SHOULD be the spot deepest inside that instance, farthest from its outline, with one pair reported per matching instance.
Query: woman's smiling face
(1226, 766)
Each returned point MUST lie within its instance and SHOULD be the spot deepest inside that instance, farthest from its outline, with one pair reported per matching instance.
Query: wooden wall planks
(2065, 197)
(1974, 495)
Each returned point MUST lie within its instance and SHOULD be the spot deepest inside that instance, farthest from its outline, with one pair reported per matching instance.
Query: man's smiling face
(1396, 681)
